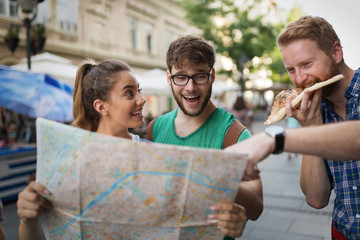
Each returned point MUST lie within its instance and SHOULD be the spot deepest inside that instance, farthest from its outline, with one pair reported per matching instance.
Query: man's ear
(168, 77)
(212, 75)
(337, 52)
(100, 107)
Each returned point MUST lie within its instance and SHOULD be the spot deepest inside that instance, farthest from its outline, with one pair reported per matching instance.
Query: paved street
(286, 214)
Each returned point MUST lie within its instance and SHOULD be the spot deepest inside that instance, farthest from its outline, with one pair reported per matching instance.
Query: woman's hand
(31, 204)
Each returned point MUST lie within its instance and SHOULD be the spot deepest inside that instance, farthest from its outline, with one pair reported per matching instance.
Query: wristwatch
(278, 133)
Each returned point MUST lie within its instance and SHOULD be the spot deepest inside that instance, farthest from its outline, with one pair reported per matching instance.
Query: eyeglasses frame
(191, 77)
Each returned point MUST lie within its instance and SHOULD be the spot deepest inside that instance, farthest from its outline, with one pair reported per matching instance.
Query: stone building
(136, 31)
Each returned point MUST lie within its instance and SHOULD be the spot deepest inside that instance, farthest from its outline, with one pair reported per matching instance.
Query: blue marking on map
(128, 175)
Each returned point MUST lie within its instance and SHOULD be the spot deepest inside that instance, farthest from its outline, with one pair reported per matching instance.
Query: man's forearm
(338, 141)
(314, 181)
(249, 196)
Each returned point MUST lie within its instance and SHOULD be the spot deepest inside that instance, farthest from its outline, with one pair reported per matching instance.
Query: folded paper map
(105, 187)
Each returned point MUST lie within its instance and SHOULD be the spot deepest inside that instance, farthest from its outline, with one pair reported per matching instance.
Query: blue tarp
(35, 95)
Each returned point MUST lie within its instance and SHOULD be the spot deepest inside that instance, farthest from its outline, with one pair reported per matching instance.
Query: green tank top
(209, 135)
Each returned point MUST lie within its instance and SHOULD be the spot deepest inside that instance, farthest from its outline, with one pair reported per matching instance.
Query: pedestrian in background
(242, 112)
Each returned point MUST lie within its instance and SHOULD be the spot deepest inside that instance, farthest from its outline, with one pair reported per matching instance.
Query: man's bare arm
(338, 141)
(250, 196)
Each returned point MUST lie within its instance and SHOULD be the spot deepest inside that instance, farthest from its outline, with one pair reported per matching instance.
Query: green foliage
(279, 73)
(277, 66)
(295, 13)
(13, 31)
(241, 36)
(39, 31)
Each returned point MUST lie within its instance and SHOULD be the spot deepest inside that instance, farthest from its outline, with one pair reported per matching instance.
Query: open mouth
(192, 100)
(137, 113)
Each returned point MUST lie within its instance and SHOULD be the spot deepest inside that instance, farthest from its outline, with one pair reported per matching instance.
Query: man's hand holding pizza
(308, 113)
(306, 106)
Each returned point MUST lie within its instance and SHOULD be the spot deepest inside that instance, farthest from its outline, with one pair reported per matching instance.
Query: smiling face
(125, 105)
(307, 64)
(191, 98)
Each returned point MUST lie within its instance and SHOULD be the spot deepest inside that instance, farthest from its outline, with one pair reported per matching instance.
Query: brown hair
(307, 27)
(190, 50)
(93, 82)
(239, 104)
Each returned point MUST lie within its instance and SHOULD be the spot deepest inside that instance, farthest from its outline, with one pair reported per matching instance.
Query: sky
(343, 15)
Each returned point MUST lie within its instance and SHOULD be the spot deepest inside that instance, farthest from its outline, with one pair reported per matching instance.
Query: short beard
(202, 107)
(333, 71)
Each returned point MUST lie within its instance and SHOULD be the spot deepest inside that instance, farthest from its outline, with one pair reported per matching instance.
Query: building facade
(136, 31)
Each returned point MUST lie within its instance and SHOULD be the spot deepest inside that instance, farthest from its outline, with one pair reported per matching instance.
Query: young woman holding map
(107, 100)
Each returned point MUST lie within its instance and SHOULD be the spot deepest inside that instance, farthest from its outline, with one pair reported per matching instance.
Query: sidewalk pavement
(286, 214)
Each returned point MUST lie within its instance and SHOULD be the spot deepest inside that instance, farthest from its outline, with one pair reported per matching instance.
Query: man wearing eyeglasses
(199, 123)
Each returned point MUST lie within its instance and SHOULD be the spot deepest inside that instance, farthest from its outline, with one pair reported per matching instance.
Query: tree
(279, 73)
(240, 30)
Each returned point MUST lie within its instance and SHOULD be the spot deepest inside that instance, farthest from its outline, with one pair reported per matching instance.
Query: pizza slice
(295, 96)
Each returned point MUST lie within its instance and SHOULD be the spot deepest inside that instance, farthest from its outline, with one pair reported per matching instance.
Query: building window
(2, 7)
(67, 15)
(43, 13)
(13, 8)
(133, 33)
(8, 8)
(149, 37)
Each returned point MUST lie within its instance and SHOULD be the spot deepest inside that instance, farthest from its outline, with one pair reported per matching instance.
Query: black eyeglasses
(199, 78)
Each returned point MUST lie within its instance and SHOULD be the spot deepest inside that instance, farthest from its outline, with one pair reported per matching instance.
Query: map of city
(105, 187)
